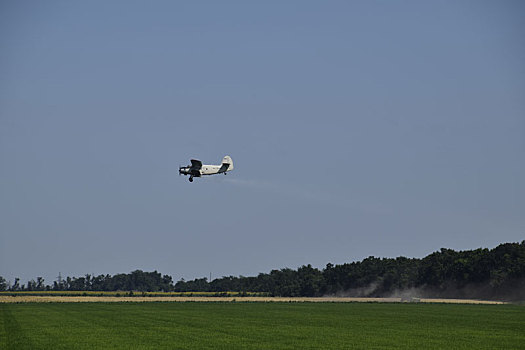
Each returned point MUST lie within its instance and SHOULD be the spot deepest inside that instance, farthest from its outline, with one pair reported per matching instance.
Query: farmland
(119, 293)
(209, 325)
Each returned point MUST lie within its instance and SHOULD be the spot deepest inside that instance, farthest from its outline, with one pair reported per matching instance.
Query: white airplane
(197, 169)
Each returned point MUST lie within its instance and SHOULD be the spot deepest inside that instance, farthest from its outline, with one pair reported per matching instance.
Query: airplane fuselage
(205, 170)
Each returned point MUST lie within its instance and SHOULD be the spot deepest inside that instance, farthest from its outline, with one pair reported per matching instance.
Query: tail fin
(227, 160)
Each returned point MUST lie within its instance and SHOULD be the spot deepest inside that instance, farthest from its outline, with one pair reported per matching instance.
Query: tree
(497, 273)
(40, 283)
(16, 285)
(3, 284)
(31, 285)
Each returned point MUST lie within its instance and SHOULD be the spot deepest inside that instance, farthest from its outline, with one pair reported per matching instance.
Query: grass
(159, 325)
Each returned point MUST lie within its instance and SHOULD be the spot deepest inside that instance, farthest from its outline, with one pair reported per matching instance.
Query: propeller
(185, 168)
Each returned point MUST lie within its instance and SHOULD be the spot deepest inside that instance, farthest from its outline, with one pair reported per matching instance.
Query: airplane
(197, 169)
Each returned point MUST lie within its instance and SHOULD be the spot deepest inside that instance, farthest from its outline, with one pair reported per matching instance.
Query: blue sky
(357, 128)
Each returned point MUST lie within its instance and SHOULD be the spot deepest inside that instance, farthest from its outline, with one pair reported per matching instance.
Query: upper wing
(196, 164)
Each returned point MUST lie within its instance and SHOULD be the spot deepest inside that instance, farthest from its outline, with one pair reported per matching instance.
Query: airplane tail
(227, 161)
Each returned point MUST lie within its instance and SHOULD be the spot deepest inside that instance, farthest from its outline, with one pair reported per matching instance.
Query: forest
(497, 273)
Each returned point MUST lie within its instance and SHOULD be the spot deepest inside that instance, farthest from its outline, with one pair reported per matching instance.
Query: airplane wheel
(191, 179)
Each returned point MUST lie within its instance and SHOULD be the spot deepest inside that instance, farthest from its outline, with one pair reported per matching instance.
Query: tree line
(134, 281)
(497, 273)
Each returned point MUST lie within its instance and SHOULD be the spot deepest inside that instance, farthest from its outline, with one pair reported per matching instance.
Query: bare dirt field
(111, 299)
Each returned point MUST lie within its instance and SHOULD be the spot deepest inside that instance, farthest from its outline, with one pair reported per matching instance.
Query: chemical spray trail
(289, 190)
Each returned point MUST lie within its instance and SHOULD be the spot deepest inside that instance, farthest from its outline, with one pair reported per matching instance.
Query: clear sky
(357, 128)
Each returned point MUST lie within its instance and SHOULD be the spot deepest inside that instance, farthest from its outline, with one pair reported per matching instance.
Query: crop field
(208, 325)
(108, 298)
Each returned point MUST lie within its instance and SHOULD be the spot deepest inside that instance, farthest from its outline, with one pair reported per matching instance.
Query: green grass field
(158, 325)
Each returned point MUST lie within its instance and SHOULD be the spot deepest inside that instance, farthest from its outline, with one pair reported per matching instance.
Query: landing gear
(191, 179)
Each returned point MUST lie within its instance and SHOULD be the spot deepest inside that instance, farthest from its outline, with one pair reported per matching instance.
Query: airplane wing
(196, 164)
